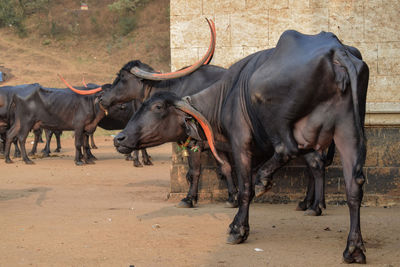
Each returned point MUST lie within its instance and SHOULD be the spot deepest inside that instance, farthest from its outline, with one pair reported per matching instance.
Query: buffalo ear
(192, 129)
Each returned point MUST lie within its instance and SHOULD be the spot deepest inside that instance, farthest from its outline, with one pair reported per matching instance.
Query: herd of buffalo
(305, 98)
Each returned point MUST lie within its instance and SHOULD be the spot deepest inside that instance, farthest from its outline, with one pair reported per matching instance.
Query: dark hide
(54, 109)
(117, 118)
(127, 87)
(298, 97)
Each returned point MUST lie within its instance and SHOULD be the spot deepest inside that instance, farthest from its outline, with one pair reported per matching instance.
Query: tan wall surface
(247, 26)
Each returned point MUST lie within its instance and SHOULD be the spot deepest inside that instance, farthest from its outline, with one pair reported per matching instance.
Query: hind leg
(146, 157)
(136, 161)
(46, 149)
(58, 138)
(38, 135)
(17, 151)
(316, 166)
(352, 153)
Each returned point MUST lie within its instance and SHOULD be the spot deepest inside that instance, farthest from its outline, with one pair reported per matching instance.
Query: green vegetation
(125, 11)
(47, 18)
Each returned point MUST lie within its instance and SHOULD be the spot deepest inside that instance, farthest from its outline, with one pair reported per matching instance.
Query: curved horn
(205, 125)
(180, 73)
(81, 92)
(212, 53)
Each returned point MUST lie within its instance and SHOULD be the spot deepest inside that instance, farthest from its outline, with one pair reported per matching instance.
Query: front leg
(239, 228)
(136, 161)
(78, 147)
(192, 177)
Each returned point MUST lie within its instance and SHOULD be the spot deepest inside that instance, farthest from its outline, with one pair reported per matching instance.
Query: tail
(346, 59)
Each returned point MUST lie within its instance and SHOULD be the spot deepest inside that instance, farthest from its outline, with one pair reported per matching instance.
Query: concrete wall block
(369, 52)
(345, 3)
(223, 6)
(223, 30)
(310, 20)
(347, 22)
(277, 4)
(249, 29)
(256, 5)
(184, 7)
(279, 21)
(389, 58)
(189, 31)
(381, 21)
(182, 57)
(299, 4)
(384, 89)
(226, 56)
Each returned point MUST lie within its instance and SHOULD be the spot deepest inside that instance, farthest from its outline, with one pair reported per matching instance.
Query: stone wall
(247, 26)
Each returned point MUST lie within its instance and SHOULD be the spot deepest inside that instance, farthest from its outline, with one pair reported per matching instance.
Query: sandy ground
(54, 213)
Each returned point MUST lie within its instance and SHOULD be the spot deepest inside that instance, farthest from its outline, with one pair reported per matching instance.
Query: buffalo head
(163, 118)
(135, 78)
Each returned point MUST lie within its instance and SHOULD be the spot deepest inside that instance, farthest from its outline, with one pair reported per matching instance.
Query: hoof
(90, 161)
(137, 164)
(30, 154)
(301, 206)
(311, 212)
(91, 157)
(237, 235)
(231, 204)
(9, 161)
(128, 158)
(29, 162)
(185, 203)
(79, 163)
(357, 256)
(94, 147)
(57, 150)
(46, 155)
(147, 163)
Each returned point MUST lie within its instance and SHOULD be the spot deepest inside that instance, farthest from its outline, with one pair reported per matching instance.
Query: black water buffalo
(128, 86)
(55, 110)
(7, 117)
(309, 91)
(136, 81)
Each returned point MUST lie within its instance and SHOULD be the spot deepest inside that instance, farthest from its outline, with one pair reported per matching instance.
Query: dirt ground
(54, 213)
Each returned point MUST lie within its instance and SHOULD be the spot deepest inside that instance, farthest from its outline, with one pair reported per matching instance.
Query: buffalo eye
(158, 107)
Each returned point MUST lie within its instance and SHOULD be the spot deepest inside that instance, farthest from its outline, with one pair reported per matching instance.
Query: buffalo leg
(22, 135)
(146, 157)
(58, 139)
(38, 134)
(46, 149)
(93, 145)
(136, 161)
(241, 142)
(351, 155)
(310, 194)
(226, 171)
(10, 137)
(192, 177)
(128, 157)
(316, 168)
(78, 148)
(87, 153)
(17, 152)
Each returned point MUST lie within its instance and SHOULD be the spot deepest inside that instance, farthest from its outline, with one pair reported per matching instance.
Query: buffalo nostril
(119, 138)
